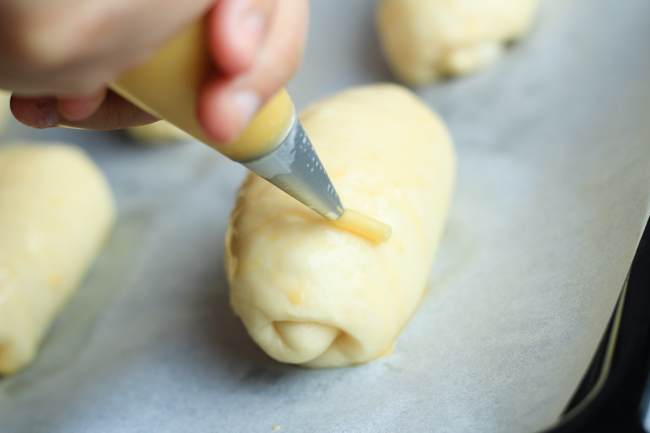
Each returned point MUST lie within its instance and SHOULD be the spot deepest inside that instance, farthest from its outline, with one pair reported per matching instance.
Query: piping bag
(274, 145)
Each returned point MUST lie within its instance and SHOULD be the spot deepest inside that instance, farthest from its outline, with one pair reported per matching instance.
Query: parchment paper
(552, 195)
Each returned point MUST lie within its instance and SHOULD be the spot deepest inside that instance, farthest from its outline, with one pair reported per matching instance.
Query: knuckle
(60, 53)
(39, 44)
(52, 43)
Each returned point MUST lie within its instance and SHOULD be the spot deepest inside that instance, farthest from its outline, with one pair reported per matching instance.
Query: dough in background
(424, 40)
(310, 293)
(160, 131)
(5, 111)
(56, 210)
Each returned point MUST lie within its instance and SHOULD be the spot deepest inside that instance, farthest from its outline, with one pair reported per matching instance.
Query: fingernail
(246, 103)
(46, 115)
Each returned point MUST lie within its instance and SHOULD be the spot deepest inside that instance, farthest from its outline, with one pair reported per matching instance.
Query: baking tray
(138, 354)
(613, 396)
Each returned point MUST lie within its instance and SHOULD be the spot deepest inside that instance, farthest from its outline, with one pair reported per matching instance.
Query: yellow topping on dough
(363, 225)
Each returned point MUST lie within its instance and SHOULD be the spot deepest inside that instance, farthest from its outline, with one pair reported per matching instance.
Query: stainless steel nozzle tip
(294, 167)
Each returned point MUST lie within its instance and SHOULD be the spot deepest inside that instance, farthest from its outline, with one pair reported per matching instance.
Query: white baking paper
(552, 195)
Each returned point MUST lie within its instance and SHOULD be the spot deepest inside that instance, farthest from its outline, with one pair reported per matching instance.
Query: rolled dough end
(295, 342)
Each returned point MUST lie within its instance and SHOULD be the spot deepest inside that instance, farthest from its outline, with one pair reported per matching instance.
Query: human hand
(58, 63)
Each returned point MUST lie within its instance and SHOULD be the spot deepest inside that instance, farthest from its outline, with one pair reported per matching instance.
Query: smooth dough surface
(310, 293)
(56, 210)
(426, 39)
(159, 131)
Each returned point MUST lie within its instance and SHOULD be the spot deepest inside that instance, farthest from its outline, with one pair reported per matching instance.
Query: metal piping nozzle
(294, 167)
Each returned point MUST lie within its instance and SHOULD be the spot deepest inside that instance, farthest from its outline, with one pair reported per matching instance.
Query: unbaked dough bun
(157, 132)
(426, 39)
(310, 293)
(56, 210)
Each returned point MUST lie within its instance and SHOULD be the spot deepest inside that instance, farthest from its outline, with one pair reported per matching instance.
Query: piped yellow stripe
(364, 226)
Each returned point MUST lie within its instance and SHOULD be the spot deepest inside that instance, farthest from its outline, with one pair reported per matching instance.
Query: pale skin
(57, 57)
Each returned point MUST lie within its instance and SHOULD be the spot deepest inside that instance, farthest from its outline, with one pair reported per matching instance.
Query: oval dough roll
(310, 293)
(425, 39)
(56, 209)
